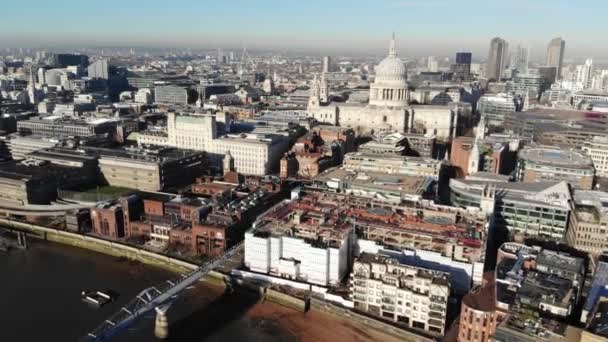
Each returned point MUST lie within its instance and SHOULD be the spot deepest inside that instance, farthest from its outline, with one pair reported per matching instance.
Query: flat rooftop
(554, 194)
(148, 154)
(318, 212)
(37, 169)
(413, 185)
(555, 157)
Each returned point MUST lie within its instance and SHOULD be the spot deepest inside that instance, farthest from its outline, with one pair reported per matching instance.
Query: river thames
(40, 297)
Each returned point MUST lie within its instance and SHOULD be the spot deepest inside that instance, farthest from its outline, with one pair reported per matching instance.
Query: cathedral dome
(391, 68)
(390, 84)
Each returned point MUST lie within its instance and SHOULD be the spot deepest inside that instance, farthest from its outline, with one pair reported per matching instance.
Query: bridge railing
(155, 296)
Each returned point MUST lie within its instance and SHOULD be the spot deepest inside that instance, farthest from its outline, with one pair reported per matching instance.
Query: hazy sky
(422, 26)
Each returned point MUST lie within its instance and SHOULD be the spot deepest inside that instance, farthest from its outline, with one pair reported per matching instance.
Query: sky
(422, 27)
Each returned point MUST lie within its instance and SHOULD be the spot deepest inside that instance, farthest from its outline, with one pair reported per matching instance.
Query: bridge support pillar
(22, 240)
(161, 327)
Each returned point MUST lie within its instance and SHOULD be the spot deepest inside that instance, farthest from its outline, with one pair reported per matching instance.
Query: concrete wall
(286, 300)
(102, 246)
(343, 313)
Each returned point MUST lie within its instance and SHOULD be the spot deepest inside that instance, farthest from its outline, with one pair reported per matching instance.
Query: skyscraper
(99, 69)
(555, 54)
(432, 64)
(327, 64)
(584, 74)
(462, 68)
(220, 56)
(520, 58)
(464, 58)
(497, 58)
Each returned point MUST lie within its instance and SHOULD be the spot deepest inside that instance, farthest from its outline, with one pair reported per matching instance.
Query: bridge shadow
(214, 316)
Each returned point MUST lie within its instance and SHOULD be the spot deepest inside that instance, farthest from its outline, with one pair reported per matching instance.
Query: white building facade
(407, 294)
(597, 150)
(295, 258)
(253, 154)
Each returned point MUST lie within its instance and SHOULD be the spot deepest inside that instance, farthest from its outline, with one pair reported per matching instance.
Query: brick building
(107, 220)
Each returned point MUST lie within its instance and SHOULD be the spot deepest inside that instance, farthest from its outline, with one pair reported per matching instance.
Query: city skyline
(423, 27)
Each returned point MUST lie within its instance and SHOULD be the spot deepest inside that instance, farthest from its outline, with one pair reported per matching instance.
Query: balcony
(388, 308)
(436, 307)
(437, 299)
(360, 276)
(435, 322)
(361, 292)
(388, 301)
(436, 315)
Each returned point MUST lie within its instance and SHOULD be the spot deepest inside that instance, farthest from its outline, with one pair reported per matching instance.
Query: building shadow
(213, 317)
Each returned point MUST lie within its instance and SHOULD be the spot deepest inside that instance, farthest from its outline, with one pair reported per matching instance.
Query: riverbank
(98, 245)
(283, 323)
(343, 326)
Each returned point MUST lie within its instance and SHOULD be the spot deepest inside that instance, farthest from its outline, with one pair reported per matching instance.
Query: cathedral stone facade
(388, 108)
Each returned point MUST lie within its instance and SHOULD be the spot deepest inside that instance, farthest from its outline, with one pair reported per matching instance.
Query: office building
(432, 64)
(497, 107)
(588, 96)
(327, 64)
(497, 59)
(405, 294)
(588, 231)
(548, 74)
(570, 128)
(464, 58)
(552, 165)
(171, 95)
(143, 96)
(36, 181)
(597, 149)
(528, 86)
(107, 220)
(525, 209)
(388, 143)
(445, 239)
(291, 243)
(253, 154)
(584, 74)
(390, 188)
(555, 55)
(20, 146)
(99, 69)
(462, 68)
(63, 60)
(519, 59)
(149, 169)
(391, 164)
(60, 126)
(421, 145)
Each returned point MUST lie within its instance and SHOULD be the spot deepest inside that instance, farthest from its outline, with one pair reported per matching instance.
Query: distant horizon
(345, 52)
(423, 27)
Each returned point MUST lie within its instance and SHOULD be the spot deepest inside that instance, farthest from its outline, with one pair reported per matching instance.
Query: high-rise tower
(497, 58)
(555, 55)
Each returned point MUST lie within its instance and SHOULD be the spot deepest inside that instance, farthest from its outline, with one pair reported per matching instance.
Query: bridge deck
(153, 297)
